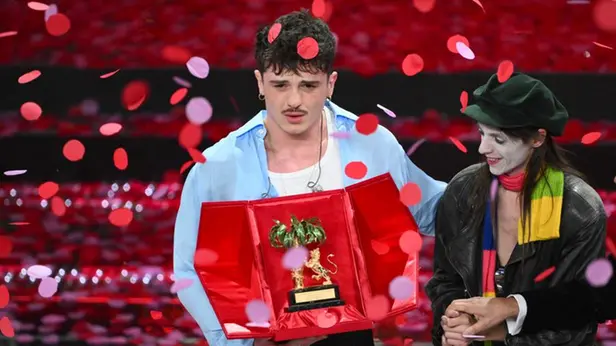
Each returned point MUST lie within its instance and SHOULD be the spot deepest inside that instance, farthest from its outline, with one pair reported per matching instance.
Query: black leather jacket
(457, 255)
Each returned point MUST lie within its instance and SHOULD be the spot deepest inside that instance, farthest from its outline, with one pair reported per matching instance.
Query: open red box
(362, 217)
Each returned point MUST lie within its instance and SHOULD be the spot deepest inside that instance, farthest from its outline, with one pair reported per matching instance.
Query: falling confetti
(412, 64)
(120, 159)
(198, 110)
(327, 319)
(38, 271)
(37, 6)
(110, 129)
(410, 242)
(602, 45)
(8, 33)
(480, 5)
(379, 248)
(48, 189)
(178, 96)
(205, 257)
(107, 75)
(196, 155)
(48, 287)
(387, 111)
(180, 285)
(414, 147)
(182, 82)
(58, 24)
(424, 6)
(15, 172)
(341, 134)
(30, 111)
(156, 315)
(453, 40)
(29, 77)
(609, 244)
(591, 138)
(185, 166)
(73, 150)
(6, 327)
(463, 100)
(6, 246)
(190, 135)
(604, 12)
(294, 257)
(367, 123)
(257, 311)
(134, 94)
(465, 51)
(546, 273)
(121, 217)
(307, 48)
(377, 307)
(355, 170)
(401, 287)
(410, 194)
(458, 144)
(50, 11)
(318, 8)
(176, 54)
(198, 67)
(273, 32)
(58, 207)
(504, 71)
(4, 296)
(599, 272)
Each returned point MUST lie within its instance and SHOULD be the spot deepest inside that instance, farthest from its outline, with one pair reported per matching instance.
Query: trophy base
(314, 297)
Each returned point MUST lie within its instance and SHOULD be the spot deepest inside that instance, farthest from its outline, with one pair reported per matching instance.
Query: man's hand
(489, 312)
(296, 342)
(454, 326)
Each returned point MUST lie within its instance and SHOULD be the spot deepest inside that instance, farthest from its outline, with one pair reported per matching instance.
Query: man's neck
(278, 142)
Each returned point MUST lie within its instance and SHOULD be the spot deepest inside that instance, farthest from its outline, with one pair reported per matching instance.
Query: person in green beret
(523, 219)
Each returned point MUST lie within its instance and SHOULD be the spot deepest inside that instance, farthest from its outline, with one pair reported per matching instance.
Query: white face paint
(505, 155)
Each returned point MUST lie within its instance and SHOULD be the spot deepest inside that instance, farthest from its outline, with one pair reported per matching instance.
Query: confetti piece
(4, 296)
(458, 144)
(273, 32)
(15, 172)
(465, 51)
(377, 307)
(50, 11)
(412, 64)
(493, 189)
(599, 272)
(463, 100)
(176, 54)
(543, 275)
(73, 150)
(29, 77)
(453, 40)
(198, 67)
(198, 110)
(134, 94)
(602, 45)
(401, 288)
(182, 82)
(410, 242)
(400, 320)
(424, 6)
(178, 96)
(190, 135)
(38, 271)
(318, 8)
(196, 155)
(6, 328)
(327, 319)
(48, 287)
(410, 194)
(37, 6)
(604, 12)
(180, 285)
(121, 217)
(504, 71)
(591, 138)
(58, 24)
(30, 111)
(294, 257)
(19, 223)
(120, 159)
(110, 129)
(185, 166)
(480, 5)
(257, 311)
(387, 111)
(307, 48)
(6, 246)
(470, 336)
(341, 135)
(8, 33)
(58, 207)
(379, 248)
(414, 147)
(367, 123)
(156, 315)
(205, 257)
(355, 170)
(609, 244)
(107, 75)
(48, 189)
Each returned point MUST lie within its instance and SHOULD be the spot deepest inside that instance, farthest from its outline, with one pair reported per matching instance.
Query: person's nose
(294, 99)
(484, 147)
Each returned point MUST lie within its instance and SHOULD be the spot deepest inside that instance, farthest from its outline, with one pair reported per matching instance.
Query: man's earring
(261, 97)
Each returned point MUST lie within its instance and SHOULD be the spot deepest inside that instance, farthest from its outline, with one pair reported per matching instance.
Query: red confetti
(367, 123)
(410, 242)
(205, 257)
(185, 166)
(48, 189)
(307, 48)
(8, 33)
(424, 6)
(543, 275)
(602, 45)
(121, 217)
(412, 64)
(30, 111)
(58, 24)
(609, 244)
(6, 246)
(355, 170)
(6, 327)
(58, 207)
(604, 12)
(134, 94)
(196, 155)
(480, 5)
(176, 54)
(273, 32)
(178, 96)
(120, 159)
(458, 144)
(19, 223)
(451, 43)
(400, 320)
(463, 101)
(318, 8)
(377, 307)
(4, 296)
(107, 75)
(379, 248)
(591, 138)
(73, 150)
(29, 77)
(157, 315)
(190, 135)
(505, 70)
(410, 194)
(110, 129)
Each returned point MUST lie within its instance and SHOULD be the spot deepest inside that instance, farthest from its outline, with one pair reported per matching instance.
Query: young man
(289, 149)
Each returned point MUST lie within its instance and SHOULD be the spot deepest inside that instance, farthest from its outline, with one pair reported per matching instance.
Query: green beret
(519, 102)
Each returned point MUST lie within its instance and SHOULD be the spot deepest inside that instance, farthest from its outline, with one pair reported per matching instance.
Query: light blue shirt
(236, 169)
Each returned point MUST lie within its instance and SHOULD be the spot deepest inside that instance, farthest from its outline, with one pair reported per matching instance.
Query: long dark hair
(549, 154)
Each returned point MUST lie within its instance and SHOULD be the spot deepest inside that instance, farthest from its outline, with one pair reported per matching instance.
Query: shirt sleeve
(514, 325)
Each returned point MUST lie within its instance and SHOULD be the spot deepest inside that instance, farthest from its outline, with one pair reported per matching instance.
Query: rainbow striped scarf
(543, 224)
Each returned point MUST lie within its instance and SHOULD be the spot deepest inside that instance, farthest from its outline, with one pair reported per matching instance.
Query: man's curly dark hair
(281, 55)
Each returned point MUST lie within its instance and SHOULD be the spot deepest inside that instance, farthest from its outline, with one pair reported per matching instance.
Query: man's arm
(185, 235)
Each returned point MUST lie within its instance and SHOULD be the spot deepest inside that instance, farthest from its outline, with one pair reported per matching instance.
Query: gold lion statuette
(320, 272)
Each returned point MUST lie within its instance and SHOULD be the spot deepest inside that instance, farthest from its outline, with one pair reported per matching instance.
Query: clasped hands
(466, 318)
